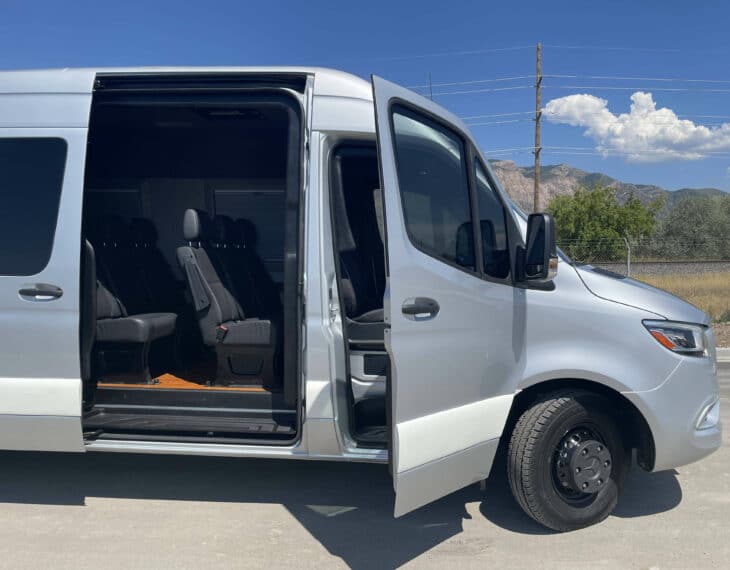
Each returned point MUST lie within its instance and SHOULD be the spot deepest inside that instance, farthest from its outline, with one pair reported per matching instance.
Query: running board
(107, 422)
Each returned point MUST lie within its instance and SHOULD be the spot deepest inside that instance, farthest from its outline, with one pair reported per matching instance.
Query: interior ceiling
(187, 142)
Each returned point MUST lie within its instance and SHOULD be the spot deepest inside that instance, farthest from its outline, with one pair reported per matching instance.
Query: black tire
(531, 459)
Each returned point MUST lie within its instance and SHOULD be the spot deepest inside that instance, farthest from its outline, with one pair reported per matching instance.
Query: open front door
(449, 315)
(43, 124)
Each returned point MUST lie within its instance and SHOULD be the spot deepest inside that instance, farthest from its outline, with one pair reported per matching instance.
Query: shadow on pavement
(346, 507)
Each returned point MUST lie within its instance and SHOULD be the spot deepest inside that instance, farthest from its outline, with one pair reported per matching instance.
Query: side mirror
(538, 260)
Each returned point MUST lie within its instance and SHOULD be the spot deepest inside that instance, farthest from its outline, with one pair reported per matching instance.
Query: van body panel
(342, 114)
(572, 343)
(454, 375)
(641, 295)
(29, 432)
(40, 396)
(469, 421)
(41, 376)
(447, 472)
(673, 411)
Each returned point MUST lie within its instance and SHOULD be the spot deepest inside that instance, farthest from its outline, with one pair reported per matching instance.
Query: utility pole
(538, 115)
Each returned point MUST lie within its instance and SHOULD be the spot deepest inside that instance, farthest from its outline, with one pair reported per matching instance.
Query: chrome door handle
(420, 308)
(40, 292)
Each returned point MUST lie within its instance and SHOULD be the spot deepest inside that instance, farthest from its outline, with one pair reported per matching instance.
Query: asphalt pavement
(131, 511)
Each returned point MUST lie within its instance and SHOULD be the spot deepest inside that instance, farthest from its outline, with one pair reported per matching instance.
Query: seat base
(123, 362)
(245, 366)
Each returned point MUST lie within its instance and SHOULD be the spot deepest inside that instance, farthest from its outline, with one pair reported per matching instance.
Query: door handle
(420, 308)
(40, 292)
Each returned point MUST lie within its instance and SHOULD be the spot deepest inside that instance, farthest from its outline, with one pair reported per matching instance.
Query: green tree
(696, 228)
(592, 224)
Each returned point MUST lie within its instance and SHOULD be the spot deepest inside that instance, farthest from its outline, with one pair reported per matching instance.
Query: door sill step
(116, 422)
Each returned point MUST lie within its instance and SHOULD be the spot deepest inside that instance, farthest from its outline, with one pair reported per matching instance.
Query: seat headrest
(143, 231)
(245, 232)
(195, 224)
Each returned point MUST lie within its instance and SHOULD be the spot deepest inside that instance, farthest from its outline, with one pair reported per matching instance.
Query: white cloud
(644, 134)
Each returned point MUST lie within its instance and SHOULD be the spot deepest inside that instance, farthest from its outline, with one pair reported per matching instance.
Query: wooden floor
(172, 382)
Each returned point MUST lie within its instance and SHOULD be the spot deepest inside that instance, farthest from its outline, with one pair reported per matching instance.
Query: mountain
(559, 179)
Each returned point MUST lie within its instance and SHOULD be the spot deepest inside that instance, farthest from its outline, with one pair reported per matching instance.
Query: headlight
(682, 338)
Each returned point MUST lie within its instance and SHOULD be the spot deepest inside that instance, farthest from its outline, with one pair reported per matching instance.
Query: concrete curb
(723, 354)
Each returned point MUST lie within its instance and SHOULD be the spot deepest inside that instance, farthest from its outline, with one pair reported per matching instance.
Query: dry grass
(708, 291)
(722, 334)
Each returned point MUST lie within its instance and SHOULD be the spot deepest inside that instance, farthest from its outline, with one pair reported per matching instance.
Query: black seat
(119, 264)
(361, 264)
(122, 341)
(245, 347)
(227, 259)
(163, 291)
(267, 295)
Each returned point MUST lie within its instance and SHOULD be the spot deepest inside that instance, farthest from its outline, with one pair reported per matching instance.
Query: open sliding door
(43, 125)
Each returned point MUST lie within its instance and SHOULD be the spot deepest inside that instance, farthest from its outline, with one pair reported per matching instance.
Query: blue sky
(455, 43)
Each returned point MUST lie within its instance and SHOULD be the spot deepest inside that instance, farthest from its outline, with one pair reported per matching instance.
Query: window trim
(62, 177)
(420, 112)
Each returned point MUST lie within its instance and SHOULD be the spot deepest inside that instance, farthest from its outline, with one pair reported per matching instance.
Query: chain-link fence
(652, 256)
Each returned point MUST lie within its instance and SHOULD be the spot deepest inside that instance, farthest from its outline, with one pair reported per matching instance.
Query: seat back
(162, 287)
(263, 295)
(119, 264)
(213, 301)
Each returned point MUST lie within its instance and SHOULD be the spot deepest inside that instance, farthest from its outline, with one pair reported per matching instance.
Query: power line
(679, 116)
(574, 76)
(470, 82)
(625, 48)
(651, 122)
(515, 149)
(702, 155)
(490, 90)
(637, 78)
(467, 117)
(498, 122)
(591, 151)
(723, 51)
(448, 53)
(622, 88)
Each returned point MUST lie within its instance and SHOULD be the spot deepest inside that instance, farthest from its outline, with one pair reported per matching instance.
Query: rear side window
(31, 177)
(434, 187)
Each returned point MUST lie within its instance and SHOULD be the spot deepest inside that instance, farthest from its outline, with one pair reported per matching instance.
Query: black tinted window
(434, 187)
(31, 176)
(493, 227)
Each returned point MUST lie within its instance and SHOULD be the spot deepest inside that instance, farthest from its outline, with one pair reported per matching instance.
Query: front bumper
(675, 411)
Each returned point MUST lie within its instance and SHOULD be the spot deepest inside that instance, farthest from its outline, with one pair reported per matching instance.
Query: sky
(639, 90)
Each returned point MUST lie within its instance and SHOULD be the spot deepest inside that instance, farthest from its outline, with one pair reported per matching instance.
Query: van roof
(328, 82)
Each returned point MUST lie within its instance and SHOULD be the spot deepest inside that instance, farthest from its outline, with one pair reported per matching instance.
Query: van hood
(619, 289)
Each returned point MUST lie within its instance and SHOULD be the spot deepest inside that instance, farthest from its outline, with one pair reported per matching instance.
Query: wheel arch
(631, 422)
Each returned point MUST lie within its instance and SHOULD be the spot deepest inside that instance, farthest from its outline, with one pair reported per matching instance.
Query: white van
(297, 263)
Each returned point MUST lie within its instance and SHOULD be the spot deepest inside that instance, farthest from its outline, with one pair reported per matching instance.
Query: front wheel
(566, 461)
